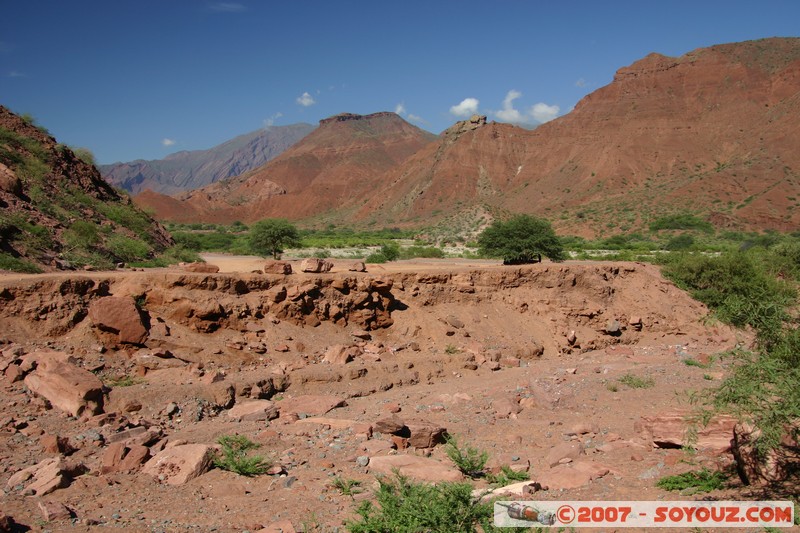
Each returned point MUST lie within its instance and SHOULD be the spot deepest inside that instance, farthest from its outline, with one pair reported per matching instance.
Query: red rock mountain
(193, 169)
(713, 132)
(344, 158)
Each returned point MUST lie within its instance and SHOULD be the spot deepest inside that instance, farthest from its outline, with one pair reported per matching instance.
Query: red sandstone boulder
(277, 267)
(417, 468)
(672, 430)
(255, 410)
(202, 268)
(179, 464)
(67, 387)
(118, 315)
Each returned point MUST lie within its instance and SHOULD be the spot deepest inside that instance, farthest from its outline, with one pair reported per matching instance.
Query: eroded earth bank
(117, 386)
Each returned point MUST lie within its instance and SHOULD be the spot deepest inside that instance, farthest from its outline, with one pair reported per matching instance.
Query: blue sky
(142, 79)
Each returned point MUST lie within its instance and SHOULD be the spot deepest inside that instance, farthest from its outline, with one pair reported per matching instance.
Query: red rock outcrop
(342, 159)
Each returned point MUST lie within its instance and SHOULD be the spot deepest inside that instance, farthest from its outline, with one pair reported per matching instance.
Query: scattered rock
(118, 315)
(52, 511)
(672, 430)
(67, 387)
(425, 434)
(358, 266)
(253, 411)
(179, 464)
(278, 267)
(315, 265)
(200, 268)
(414, 467)
(310, 405)
(566, 450)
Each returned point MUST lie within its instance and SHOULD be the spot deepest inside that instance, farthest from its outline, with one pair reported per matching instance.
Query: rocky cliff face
(55, 209)
(185, 171)
(711, 132)
(341, 160)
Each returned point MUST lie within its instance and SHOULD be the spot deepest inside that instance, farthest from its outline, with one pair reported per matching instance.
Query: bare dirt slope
(524, 362)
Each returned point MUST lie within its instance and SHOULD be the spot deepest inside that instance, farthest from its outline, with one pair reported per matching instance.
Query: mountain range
(713, 132)
(193, 169)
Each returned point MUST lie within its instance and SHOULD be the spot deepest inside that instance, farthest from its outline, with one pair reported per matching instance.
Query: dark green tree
(271, 235)
(521, 239)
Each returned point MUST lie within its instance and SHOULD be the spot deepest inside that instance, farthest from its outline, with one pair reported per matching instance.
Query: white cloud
(542, 112)
(167, 142)
(467, 107)
(17, 74)
(400, 109)
(580, 83)
(227, 7)
(508, 113)
(416, 118)
(305, 100)
(271, 120)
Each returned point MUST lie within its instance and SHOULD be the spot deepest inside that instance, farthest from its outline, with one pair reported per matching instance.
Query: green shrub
(693, 482)
(390, 251)
(679, 243)
(404, 506)
(376, 257)
(736, 285)
(270, 236)
(506, 476)
(348, 487)
(684, 221)
(521, 238)
(429, 252)
(636, 382)
(82, 234)
(16, 264)
(126, 249)
(235, 456)
(471, 461)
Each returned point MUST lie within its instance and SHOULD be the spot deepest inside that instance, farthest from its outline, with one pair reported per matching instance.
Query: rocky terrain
(189, 170)
(343, 159)
(711, 132)
(117, 387)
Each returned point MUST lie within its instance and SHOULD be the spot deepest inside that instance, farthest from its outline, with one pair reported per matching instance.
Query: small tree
(520, 239)
(270, 236)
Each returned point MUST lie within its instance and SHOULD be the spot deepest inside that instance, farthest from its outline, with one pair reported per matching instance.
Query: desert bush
(376, 257)
(689, 483)
(81, 234)
(85, 155)
(429, 252)
(679, 242)
(16, 264)
(636, 382)
(404, 506)
(235, 456)
(471, 461)
(763, 387)
(521, 238)
(736, 285)
(270, 236)
(126, 249)
(684, 221)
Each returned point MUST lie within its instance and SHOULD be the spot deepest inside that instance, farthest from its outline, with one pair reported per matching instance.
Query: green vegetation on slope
(55, 217)
(755, 288)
